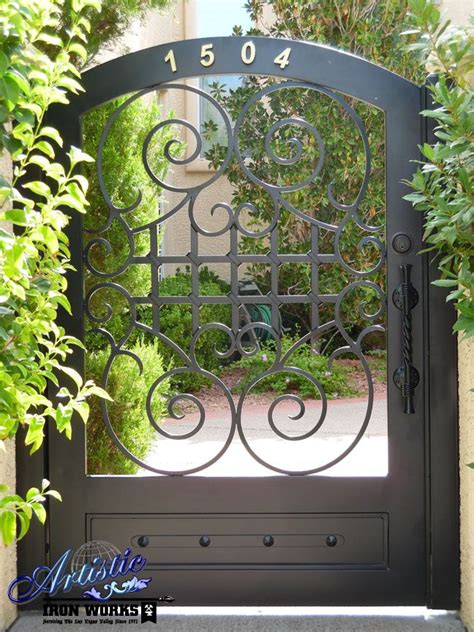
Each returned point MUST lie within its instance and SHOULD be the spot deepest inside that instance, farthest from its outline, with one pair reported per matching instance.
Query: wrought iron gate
(298, 535)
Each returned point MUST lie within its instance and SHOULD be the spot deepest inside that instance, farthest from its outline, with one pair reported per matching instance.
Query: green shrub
(444, 185)
(176, 324)
(127, 412)
(335, 381)
(34, 258)
(124, 176)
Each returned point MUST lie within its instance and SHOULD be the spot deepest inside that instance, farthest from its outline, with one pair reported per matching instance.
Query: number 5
(207, 56)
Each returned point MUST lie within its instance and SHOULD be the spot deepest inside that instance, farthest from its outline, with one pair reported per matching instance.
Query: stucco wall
(7, 476)
(7, 555)
(466, 451)
(458, 11)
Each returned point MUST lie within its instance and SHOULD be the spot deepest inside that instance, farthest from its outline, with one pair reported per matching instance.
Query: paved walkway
(272, 620)
(343, 420)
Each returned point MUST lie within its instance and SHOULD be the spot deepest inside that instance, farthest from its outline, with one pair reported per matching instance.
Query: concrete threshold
(287, 619)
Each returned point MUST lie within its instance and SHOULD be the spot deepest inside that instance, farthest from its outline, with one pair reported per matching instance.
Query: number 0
(248, 52)
(170, 58)
(283, 59)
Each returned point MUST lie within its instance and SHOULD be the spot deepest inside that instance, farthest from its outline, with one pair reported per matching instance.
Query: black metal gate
(298, 535)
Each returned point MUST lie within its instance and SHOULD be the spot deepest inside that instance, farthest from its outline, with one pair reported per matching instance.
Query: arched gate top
(290, 59)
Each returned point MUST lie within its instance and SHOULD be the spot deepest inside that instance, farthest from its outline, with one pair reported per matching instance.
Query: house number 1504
(248, 54)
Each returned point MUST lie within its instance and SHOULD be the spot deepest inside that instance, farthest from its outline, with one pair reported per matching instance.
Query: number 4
(283, 58)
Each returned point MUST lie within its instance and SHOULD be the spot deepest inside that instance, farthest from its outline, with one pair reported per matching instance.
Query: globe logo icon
(87, 553)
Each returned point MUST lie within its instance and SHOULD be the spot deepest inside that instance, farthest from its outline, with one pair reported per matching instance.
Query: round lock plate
(397, 297)
(399, 377)
(401, 243)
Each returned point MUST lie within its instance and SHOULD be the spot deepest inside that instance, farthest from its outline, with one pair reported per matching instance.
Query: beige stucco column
(7, 555)
(459, 11)
(7, 476)
(466, 452)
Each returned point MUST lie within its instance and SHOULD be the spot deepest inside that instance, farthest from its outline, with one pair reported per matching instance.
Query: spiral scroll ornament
(282, 145)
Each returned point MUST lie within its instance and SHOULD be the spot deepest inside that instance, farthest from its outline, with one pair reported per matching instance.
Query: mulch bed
(212, 397)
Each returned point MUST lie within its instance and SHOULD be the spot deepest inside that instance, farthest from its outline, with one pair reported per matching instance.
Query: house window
(214, 18)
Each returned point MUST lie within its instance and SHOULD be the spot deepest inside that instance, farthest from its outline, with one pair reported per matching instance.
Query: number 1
(171, 59)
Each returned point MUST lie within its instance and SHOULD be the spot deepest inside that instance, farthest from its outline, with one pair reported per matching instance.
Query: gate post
(442, 442)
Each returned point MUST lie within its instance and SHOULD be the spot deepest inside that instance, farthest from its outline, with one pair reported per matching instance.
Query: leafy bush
(127, 412)
(334, 381)
(443, 186)
(123, 171)
(176, 324)
(124, 176)
(34, 259)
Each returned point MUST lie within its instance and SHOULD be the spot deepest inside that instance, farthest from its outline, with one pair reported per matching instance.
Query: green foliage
(444, 185)
(371, 29)
(367, 28)
(14, 510)
(176, 324)
(122, 165)
(129, 389)
(334, 380)
(124, 177)
(34, 259)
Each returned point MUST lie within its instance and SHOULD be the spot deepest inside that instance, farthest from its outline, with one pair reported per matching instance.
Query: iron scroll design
(235, 226)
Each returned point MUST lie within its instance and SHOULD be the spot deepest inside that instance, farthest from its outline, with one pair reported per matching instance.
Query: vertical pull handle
(406, 377)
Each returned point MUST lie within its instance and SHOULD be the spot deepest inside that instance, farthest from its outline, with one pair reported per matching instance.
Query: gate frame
(335, 70)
